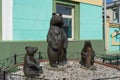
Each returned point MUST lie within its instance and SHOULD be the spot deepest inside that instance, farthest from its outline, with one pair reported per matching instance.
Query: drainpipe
(104, 1)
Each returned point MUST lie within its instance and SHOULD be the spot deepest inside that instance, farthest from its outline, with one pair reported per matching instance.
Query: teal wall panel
(91, 22)
(31, 19)
(113, 48)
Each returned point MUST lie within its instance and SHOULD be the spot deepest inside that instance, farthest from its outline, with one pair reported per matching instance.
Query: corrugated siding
(31, 19)
(90, 22)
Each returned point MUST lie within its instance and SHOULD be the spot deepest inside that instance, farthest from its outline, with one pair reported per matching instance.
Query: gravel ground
(73, 71)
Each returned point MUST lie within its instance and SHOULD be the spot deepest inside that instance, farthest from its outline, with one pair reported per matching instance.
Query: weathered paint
(31, 19)
(91, 22)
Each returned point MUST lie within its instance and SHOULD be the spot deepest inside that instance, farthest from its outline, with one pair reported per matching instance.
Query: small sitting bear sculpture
(87, 55)
(1, 75)
(57, 41)
(31, 66)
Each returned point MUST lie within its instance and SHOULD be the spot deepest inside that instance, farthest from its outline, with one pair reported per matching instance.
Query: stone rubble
(73, 71)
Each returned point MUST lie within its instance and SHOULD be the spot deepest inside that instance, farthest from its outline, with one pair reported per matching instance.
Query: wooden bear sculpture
(87, 55)
(57, 41)
(31, 66)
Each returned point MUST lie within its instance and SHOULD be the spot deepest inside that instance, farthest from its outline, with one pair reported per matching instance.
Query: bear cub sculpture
(57, 41)
(1, 75)
(31, 66)
(87, 55)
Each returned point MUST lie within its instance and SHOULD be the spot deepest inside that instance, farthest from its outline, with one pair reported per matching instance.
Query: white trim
(72, 17)
(66, 16)
(73, 24)
(7, 11)
(72, 28)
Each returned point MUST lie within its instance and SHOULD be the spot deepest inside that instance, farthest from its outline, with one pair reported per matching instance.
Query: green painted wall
(91, 22)
(8, 49)
(31, 19)
(0, 19)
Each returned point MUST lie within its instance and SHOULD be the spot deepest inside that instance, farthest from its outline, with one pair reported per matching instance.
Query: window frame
(69, 17)
(115, 14)
(76, 15)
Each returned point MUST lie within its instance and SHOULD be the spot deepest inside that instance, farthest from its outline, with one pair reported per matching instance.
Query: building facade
(29, 19)
(113, 11)
(113, 27)
(26, 22)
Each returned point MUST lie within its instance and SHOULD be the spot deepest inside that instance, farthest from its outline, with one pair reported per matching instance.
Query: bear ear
(85, 41)
(26, 47)
(60, 14)
(53, 14)
(89, 41)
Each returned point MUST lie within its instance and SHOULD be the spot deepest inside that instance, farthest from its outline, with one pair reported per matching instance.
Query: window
(115, 15)
(68, 17)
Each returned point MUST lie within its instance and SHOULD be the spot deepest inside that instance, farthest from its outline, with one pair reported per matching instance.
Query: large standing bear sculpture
(31, 66)
(57, 41)
(87, 55)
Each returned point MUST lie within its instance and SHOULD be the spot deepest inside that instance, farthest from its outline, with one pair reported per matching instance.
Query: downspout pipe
(104, 5)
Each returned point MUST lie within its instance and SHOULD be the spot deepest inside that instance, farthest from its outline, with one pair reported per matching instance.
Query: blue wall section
(31, 19)
(91, 22)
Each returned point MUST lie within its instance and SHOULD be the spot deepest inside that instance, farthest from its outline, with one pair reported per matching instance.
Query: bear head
(31, 50)
(56, 20)
(88, 43)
